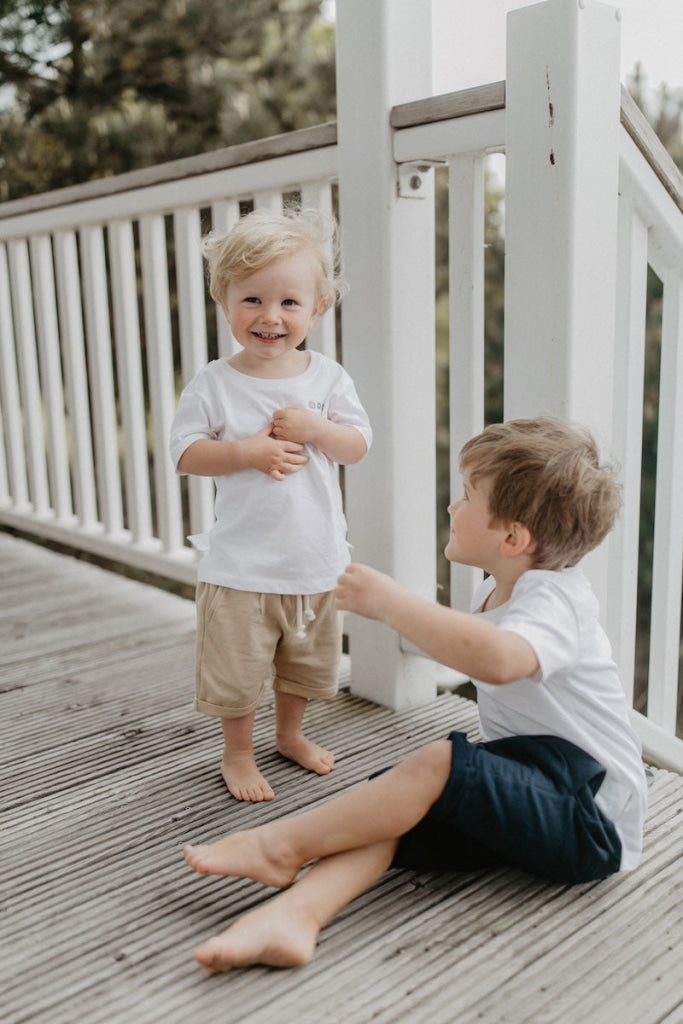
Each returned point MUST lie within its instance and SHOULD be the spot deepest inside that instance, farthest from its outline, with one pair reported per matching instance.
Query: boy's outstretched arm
(274, 457)
(468, 643)
(341, 442)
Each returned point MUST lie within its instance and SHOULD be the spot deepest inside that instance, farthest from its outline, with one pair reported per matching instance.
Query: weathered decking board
(107, 771)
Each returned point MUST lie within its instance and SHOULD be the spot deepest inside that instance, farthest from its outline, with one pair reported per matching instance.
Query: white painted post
(665, 654)
(29, 377)
(47, 336)
(466, 391)
(224, 213)
(384, 58)
(562, 102)
(70, 304)
(9, 395)
(621, 611)
(131, 392)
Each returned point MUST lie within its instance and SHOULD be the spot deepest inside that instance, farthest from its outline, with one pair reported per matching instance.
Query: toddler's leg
(291, 742)
(384, 808)
(283, 932)
(238, 766)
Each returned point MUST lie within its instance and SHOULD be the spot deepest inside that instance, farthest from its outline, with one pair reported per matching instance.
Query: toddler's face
(272, 309)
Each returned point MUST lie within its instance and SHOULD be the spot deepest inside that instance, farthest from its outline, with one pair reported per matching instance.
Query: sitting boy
(557, 786)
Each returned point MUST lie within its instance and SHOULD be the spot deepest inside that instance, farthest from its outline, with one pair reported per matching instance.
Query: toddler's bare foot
(256, 854)
(274, 934)
(244, 780)
(295, 747)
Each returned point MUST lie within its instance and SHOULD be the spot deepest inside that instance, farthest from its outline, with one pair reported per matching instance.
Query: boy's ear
(518, 541)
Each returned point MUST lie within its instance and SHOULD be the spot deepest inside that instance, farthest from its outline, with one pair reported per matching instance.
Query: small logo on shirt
(315, 405)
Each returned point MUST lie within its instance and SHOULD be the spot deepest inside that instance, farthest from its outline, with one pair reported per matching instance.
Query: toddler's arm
(467, 643)
(341, 442)
(270, 455)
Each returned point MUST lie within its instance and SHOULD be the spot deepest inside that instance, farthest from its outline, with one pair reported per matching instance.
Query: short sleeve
(345, 407)
(545, 617)
(192, 422)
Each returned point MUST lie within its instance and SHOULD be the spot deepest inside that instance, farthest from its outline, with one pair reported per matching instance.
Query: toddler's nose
(270, 314)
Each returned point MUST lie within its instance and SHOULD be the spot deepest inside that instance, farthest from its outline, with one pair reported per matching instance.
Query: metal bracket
(413, 177)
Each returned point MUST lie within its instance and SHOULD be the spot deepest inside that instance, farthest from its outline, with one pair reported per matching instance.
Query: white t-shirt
(576, 694)
(271, 536)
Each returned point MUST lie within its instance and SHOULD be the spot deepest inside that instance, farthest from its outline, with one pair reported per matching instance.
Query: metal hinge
(413, 178)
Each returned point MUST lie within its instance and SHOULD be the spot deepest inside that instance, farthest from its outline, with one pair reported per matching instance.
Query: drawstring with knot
(304, 614)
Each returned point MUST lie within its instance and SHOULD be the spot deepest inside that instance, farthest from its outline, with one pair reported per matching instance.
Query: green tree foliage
(106, 86)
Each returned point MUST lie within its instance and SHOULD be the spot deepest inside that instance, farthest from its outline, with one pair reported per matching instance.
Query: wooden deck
(107, 771)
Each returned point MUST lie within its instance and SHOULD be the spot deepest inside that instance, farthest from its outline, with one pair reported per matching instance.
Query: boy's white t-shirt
(576, 694)
(271, 536)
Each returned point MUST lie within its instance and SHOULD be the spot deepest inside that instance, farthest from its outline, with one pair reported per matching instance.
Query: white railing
(650, 235)
(76, 321)
(96, 278)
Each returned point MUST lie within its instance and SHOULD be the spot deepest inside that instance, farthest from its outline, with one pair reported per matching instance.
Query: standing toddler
(270, 424)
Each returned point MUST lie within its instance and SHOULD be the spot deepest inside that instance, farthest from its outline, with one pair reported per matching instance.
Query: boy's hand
(295, 424)
(273, 457)
(364, 591)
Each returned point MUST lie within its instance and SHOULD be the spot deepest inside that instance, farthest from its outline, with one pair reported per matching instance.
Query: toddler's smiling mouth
(266, 336)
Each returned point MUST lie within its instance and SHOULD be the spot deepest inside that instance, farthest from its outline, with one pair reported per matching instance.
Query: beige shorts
(243, 638)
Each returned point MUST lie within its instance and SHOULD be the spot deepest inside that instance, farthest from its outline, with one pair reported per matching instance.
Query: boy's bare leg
(238, 766)
(384, 808)
(284, 931)
(291, 742)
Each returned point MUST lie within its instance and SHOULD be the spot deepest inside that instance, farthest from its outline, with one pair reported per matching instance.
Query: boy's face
(473, 541)
(272, 309)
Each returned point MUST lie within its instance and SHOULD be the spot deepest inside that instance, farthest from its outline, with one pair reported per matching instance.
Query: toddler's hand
(295, 424)
(274, 457)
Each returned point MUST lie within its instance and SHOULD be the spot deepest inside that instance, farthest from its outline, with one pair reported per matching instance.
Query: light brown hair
(546, 474)
(262, 236)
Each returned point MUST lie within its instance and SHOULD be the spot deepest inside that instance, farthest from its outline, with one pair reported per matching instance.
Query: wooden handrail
(447, 106)
(316, 137)
(649, 144)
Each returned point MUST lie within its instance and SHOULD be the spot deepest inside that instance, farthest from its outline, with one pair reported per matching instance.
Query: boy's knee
(436, 758)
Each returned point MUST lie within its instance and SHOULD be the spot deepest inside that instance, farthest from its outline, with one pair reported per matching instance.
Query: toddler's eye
(289, 302)
(251, 298)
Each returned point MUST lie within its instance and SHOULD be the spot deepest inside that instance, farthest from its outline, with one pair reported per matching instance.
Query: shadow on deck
(107, 772)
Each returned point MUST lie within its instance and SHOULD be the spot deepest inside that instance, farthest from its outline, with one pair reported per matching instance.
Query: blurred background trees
(98, 87)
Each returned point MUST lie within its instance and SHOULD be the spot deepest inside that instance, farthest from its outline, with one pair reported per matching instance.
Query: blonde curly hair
(262, 236)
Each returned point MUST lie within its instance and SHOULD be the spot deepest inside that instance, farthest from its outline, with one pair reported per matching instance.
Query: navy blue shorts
(524, 801)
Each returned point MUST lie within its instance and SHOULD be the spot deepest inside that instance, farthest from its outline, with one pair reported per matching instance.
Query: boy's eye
(251, 298)
(289, 302)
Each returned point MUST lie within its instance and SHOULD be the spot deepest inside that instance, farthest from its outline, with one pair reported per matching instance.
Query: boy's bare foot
(243, 778)
(253, 854)
(295, 747)
(273, 934)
